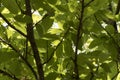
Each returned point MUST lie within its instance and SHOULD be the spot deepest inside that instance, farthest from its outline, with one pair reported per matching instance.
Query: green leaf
(82, 59)
(110, 29)
(49, 36)
(3, 32)
(23, 18)
(62, 8)
(51, 76)
(4, 77)
(40, 30)
(11, 6)
(55, 31)
(59, 51)
(52, 1)
(7, 55)
(113, 68)
(47, 23)
(68, 50)
(106, 67)
(1, 9)
(55, 43)
(37, 3)
(41, 43)
(98, 51)
(95, 43)
(14, 67)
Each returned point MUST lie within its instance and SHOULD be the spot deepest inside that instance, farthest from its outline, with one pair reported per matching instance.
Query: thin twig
(9, 75)
(12, 26)
(17, 51)
(78, 36)
(51, 56)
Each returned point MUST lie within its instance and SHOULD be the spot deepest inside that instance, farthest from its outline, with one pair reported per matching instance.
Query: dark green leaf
(23, 18)
(11, 5)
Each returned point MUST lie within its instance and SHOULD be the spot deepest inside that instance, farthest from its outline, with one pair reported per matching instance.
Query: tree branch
(31, 38)
(12, 26)
(9, 75)
(78, 36)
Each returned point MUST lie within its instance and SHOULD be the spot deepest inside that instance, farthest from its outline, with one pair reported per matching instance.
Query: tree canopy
(59, 40)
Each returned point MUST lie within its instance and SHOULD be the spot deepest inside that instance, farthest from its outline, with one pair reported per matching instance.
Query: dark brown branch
(51, 56)
(12, 26)
(9, 75)
(31, 38)
(17, 51)
(78, 36)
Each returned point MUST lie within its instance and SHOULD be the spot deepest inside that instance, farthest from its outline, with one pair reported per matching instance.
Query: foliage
(59, 39)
